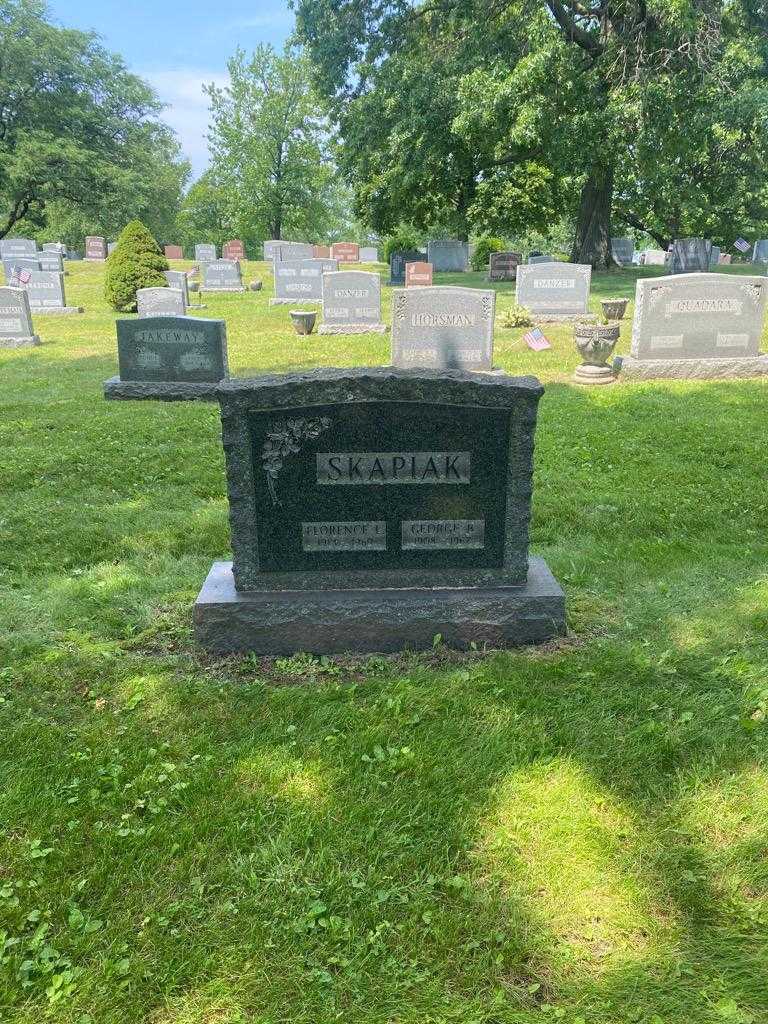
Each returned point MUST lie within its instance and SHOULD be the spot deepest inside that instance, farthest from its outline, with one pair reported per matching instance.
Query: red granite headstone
(321, 252)
(234, 250)
(418, 274)
(345, 252)
(95, 247)
(174, 252)
(503, 266)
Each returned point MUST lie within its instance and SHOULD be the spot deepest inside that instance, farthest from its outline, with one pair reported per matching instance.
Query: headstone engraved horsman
(169, 358)
(697, 325)
(45, 289)
(443, 328)
(16, 319)
(374, 508)
(222, 276)
(448, 255)
(351, 303)
(555, 291)
(153, 302)
(298, 281)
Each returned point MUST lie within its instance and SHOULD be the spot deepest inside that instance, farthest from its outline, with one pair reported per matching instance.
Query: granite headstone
(45, 289)
(205, 252)
(351, 303)
(321, 252)
(345, 252)
(502, 266)
(448, 255)
(623, 250)
(222, 276)
(154, 302)
(760, 251)
(294, 251)
(690, 255)
(16, 329)
(13, 247)
(179, 280)
(539, 258)
(174, 252)
(298, 281)
(398, 260)
(369, 254)
(443, 327)
(233, 250)
(418, 274)
(52, 261)
(554, 291)
(95, 247)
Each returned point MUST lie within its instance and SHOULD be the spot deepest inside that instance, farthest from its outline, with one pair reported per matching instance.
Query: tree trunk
(592, 243)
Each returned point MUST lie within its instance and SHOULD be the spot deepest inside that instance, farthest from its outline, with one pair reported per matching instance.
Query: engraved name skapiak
(393, 467)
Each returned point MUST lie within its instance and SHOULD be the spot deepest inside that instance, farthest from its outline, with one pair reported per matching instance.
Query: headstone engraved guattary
(698, 325)
(448, 255)
(554, 291)
(169, 358)
(45, 289)
(152, 302)
(443, 328)
(398, 260)
(374, 508)
(16, 319)
(351, 303)
(300, 280)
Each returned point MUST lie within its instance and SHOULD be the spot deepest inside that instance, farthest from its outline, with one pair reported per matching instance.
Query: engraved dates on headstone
(95, 247)
(45, 289)
(443, 328)
(222, 276)
(233, 250)
(172, 349)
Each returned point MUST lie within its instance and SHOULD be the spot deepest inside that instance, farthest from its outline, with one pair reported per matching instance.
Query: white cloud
(187, 110)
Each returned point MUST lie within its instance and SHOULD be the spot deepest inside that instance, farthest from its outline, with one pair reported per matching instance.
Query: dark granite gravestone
(45, 289)
(443, 327)
(16, 319)
(152, 302)
(351, 303)
(697, 326)
(623, 250)
(205, 252)
(555, 291)
(301, 280)
(174, 252)
(502, 266)
(690, 256)
(448, 255)
(51, 261)
(95, 247)
(397, 262)
(345, 252)
(418, 275)
(372, 509)
(12, 247)
(169, 358)
(222, 276)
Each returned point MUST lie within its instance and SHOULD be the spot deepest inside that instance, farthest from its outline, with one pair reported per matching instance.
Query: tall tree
(76, 129)
(268, 146)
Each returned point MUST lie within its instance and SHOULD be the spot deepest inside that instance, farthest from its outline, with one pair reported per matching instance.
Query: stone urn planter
(614, 309)
(303, 321)
(255, 286)
(595, 343)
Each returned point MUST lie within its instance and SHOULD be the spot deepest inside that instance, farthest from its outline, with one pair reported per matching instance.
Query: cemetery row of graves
(570, 831)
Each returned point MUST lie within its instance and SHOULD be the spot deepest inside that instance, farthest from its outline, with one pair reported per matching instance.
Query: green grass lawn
(575, 834)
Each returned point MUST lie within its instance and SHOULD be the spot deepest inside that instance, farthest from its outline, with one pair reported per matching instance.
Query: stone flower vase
(614, 309)
(595, 343)
(256, 286)
(303, 321)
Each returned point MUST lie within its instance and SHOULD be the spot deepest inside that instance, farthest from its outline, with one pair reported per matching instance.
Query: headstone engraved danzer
(555, 291)
(372, 509)
(169, 358)
(351, 303)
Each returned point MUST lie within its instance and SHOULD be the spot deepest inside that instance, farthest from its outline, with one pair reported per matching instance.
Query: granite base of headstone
(698, 327)
(170, 359)
(374, 509)
(16, 329)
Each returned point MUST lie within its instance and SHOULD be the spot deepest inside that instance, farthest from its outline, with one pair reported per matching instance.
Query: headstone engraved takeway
(298, 281)
(173, 357)
(443, 327)
(554, 290)
(372, 508)
(351, 303)
(16, 319)
(698, 325)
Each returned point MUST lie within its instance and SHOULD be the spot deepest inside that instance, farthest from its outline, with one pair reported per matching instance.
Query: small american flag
(535, 339)
(742, 245)
(22, 276)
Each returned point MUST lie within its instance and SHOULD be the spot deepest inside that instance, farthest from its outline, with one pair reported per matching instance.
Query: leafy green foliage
(137, 262)
(404, 238)
(484, 246)
(81, 149)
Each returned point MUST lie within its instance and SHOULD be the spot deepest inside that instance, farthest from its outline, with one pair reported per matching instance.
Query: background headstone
(725, 259)
(448, 255)
(714, 256)
(321, 252)
(179, 280)
(345, 252)
(174, 252)
(654, 257)
(351, 303)
(10, 247)
(205, 252)
(418, 274)
(690, 255)
(154, 302)
(398, 260)
(222, 276)
(95, 247)
(554, 291)
(45, 289)
(698, 325)
(298, 281)
(58, 247)
(503, 266)
(443, 327)
(16, 319)
(12, 265)
(539, 258)
(53, 261)
(233, 250)
(294, 251)
(623, 250)
(171, 349)
(369, 254)
(760, 251)
(271, 247)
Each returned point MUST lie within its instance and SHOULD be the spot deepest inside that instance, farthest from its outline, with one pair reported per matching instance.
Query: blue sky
(178, 46)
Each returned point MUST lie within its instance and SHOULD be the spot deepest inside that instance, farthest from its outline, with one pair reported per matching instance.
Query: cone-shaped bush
(135, 263)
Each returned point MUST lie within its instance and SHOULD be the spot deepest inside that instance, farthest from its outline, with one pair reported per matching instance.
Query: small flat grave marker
(16, 319)
(443, 328)
(418, 274)
(351, 303)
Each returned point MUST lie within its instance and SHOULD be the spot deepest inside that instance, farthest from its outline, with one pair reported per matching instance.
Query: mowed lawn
(577, 833)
